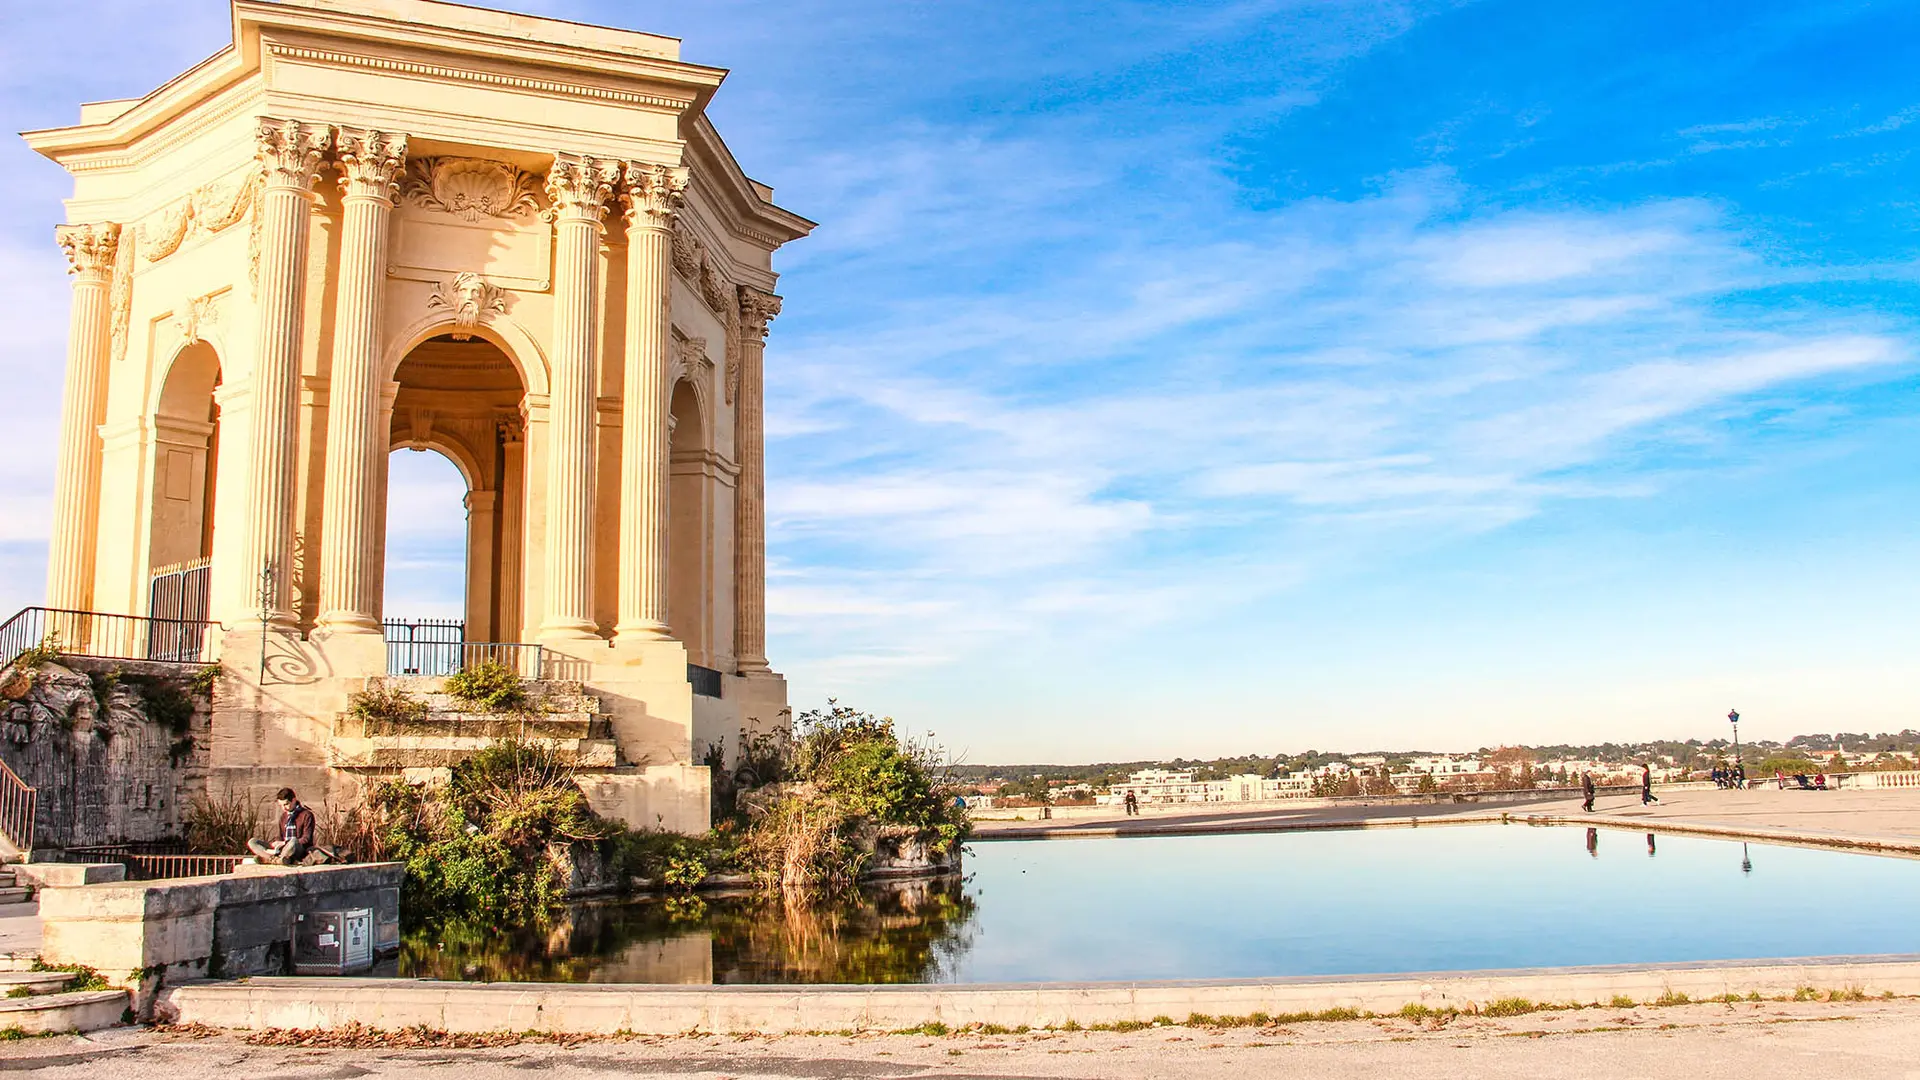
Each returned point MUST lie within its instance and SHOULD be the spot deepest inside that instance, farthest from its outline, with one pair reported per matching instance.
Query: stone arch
(521, 350)
(690, 522)
(185, 432)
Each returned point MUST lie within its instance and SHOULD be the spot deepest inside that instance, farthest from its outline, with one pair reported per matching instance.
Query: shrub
(490, 685)
(167, 701)
(35, 657)
(386, 708)
(221, 825)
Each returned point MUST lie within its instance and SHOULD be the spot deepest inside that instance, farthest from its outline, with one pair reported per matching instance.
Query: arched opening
(186, 442)
(689, 529)
(453, 518)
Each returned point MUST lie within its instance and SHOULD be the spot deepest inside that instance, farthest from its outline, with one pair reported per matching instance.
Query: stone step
(19, 961)
(47, 1014)
(486, 726)
(16, 894)
(36, 982)
(440, 751)
(8, 879)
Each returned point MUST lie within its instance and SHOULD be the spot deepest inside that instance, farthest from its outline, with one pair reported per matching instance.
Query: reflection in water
(1593, 842)
(901, 932)
(1649, 845)
(1746, 864)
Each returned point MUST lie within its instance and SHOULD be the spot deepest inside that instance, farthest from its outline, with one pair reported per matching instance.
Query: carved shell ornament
(469, 296)
(471, 188)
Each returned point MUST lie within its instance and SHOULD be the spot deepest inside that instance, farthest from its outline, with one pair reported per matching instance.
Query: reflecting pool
(1244, 906)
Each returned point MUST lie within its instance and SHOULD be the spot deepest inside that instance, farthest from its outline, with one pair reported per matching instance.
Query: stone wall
(147, 934)
(92, 736)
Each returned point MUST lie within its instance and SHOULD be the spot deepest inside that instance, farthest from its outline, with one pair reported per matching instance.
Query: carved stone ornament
(689, 360)
(469, 296)
(653, 193)
(702, 271)
(120, 296)
(210, 208)
(370, 163)
(471, 188)
(686, 251)
(196, 316)
(579, 186)
(91, 249)
(291, 152)
(757, 309)
(732, 388)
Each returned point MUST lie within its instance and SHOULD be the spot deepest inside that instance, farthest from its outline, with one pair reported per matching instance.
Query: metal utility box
(333, 942)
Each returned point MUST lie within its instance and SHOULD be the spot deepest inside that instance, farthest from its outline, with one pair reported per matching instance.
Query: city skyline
(1202, 376)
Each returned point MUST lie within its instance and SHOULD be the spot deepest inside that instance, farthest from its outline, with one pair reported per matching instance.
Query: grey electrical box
(333, 942)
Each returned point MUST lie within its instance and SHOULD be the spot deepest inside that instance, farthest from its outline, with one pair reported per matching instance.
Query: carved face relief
(471, 188)
(469, 296)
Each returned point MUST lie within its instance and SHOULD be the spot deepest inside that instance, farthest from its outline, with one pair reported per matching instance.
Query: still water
(1197, 907)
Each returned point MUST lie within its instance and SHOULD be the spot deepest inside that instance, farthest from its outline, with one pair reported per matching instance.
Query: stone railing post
(370, 163)
(91, 252)
(579, 188)
(653, 192)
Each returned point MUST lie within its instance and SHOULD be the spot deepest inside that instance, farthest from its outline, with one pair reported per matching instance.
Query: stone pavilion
(374, 224)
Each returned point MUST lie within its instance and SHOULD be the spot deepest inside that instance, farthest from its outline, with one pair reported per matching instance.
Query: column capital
(291, 152)
(652, 194)
(757, 309)
(91, 249)
(579, 186)
(370, 163)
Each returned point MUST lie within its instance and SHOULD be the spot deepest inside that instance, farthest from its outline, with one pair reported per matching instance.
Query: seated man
(295, 833)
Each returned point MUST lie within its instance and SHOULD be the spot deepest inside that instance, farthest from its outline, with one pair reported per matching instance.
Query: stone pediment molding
(472, 188)
(471, 299)
(469, 75)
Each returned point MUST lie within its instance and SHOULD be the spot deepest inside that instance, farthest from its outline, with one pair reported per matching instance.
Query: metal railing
(705, 680)
(110, 637)
(154, 860)
(439, 647)
(18, 803)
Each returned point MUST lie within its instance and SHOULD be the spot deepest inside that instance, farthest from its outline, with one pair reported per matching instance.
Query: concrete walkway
(1879, 815)
(1871, 1040)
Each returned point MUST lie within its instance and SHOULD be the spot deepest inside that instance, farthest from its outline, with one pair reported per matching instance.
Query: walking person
(1646, 784)
(295, 832)
(1586, 790)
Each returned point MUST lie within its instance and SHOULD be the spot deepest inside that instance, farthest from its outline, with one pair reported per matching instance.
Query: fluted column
(290, 155)
(91, 250)
(370, 162)
(750, 498)
(578, 188)
(652, 194)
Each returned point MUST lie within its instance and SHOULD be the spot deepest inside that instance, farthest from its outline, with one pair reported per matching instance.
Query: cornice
(113, 152)
(420, 68)
(733, 196)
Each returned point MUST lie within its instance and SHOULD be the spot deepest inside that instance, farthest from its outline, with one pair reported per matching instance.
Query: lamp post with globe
(1733, 717)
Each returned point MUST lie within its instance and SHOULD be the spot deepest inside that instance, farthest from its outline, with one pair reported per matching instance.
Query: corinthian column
(290, 154)
(90, 251)
(369, 163)
(750, 498)
(653, 192)
(579, 188)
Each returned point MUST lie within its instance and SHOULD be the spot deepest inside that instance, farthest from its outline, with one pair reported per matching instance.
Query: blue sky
(1192, 378)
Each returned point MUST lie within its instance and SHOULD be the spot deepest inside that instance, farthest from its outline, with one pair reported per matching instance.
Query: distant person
(1593, 842)
(1740, 776)
(1586, 790)
(1646, 785)
(1132, 803)
(295, 832)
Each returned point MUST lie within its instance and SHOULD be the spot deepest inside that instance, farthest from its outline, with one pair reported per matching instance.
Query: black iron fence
(111, 637)
(154, 860)
(439, 647)
(705, 680)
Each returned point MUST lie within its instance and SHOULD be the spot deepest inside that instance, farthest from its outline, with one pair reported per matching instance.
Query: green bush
(489, 685)
(386, 708)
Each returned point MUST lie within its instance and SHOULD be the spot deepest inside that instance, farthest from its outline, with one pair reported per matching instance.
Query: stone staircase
(558, 714)
(11, 891)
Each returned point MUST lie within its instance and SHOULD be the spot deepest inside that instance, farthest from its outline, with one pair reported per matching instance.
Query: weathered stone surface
(81, 732)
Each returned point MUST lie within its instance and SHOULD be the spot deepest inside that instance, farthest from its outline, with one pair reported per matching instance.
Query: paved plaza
(1891, 815)
(1859, 1040)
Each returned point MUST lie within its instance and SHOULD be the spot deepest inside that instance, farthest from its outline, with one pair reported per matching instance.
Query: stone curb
(607, 1009)
(87, 1010)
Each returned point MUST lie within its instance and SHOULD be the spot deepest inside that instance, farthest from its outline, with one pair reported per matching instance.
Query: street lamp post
(1733, 717)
